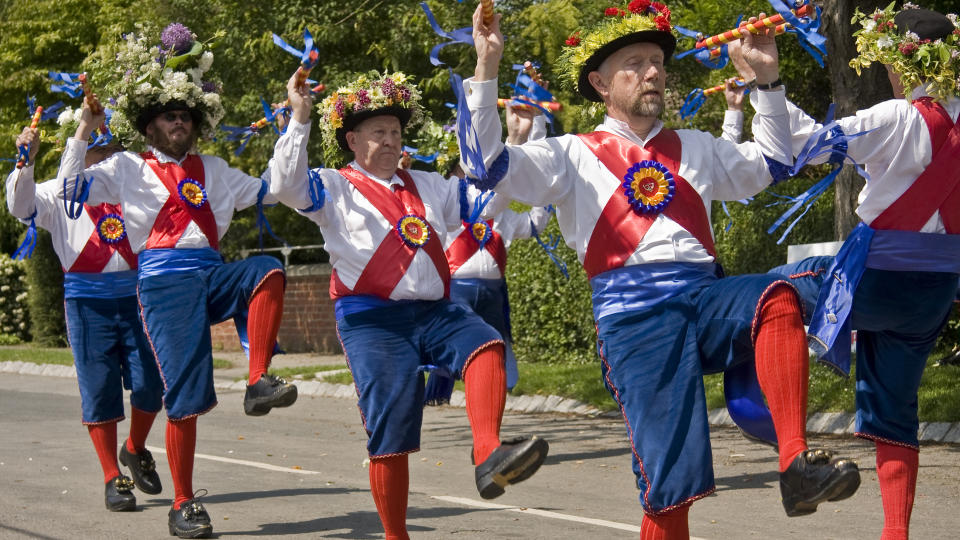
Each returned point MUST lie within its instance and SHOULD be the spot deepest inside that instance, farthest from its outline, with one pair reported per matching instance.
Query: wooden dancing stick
(753, 28)
(487, 11)
(549, 105)
(779, 29)
(718, 88)
(33, 125)
(262, 123)
(532, 72)
(92, 101)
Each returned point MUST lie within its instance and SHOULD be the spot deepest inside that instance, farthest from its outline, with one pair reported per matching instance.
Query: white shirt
(562, 171)
(352, 227)
(126, 178)
(69, 236)
(510, 226)
(894, 154)
(732, 129)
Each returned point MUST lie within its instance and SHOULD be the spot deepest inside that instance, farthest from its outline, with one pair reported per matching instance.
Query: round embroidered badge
(110, 228)
(481, 232)
(192, 192)
(413, 230)
(649, 186)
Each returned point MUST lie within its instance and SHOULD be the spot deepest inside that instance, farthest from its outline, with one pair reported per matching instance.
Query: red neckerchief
(393, 256)
(620, 229)
(176, 214)
(938, 187)
(97, 251)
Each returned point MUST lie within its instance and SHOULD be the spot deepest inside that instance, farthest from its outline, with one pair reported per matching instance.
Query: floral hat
(149, 74)
(441, 140)
(585, 50)
(370, 95)
(921, 46)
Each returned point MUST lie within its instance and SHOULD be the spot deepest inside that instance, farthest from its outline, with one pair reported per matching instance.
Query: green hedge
(45, 280)
(13, 292)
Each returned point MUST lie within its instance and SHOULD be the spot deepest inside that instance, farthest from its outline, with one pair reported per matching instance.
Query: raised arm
(21, 189)
(288, 171)
(104, 179)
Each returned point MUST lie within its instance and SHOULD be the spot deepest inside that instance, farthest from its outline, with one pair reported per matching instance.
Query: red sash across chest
(393, 256)
(466, 245)
(96, 253)
(620, 229)
(176, 213)
(938, 187)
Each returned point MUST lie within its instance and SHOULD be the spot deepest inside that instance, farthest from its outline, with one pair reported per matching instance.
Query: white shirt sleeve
(105, 178)
(21, 192)
(773, 119)
(288, 170)
(732, 126)
(538, 170)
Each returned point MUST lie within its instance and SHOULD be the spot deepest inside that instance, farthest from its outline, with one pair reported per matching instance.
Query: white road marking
(456, 500)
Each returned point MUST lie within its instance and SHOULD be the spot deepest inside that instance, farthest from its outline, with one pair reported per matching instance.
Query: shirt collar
(919, 92)
(164, 158)
(619, 127)
(389, 182)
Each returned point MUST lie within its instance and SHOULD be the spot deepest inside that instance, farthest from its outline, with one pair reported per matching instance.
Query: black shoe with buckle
(815, 476)
(143, 469)
(190, 521)
(513, 461)
(269, 392)
(118, 495)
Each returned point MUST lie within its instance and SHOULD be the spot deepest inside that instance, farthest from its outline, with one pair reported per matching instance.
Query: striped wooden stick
(717, 88)
(262, 123)
(487, 11)
(548, 105)
(753, 28)
(779, 29)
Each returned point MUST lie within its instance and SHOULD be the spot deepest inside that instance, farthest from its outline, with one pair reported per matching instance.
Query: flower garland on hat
(918, 62)
(367, 94)
(146, 72)
(638, 16)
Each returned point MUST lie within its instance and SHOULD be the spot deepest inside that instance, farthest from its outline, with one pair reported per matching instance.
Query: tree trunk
(850, 93)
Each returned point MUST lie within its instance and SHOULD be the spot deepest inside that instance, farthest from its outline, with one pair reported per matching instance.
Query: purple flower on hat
(363, 99)
(177, 37)
(388, 86)
(209, 86)
(404, 94)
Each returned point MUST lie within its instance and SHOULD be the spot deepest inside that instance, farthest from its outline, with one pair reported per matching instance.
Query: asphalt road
(299, 473)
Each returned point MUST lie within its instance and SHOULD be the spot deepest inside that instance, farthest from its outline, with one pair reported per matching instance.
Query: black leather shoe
(513, 461)
(143, 470)
(118, 495)
(816, 476)
(269, 392)
(190, 521)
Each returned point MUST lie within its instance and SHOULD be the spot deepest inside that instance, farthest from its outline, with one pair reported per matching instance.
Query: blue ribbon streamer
(262, 222)
(413, 153)
(25, 251)
(307, 60)
(460, 35)
(70, 83)
(806, 30)
(318, 194)
(529, 92)
(73, 205)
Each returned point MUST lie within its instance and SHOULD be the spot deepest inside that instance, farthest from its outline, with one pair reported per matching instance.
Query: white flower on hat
(885, 42)
(65, 117)
(206, 61)
(869, 24)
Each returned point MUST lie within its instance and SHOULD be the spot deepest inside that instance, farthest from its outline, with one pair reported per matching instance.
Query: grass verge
(61, 356)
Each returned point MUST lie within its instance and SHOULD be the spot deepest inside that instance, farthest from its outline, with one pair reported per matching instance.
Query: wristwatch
(770, 86)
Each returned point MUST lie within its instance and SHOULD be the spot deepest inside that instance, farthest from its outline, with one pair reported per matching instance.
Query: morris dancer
(178, 205)
(384, 229)
(110, 351)
(633, 199)
(896, 274)
(477, 254)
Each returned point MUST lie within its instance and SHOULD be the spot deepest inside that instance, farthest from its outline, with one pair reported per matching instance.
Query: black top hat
(152, 111)
(924, 23)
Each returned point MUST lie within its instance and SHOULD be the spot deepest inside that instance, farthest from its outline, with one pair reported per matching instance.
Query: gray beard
(647, 108)
(172, 149)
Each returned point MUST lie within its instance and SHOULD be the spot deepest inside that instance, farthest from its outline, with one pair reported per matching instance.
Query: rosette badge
(413, 230)
(481, 232)
(192, 192)
(649, 186)
(110, 228)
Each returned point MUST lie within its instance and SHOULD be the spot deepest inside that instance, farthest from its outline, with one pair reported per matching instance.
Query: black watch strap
(770, 86)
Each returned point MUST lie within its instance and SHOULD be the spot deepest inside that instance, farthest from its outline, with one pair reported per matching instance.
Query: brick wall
(308, 323)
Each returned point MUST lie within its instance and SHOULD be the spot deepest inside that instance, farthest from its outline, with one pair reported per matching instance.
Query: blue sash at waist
(642, 286)
(100, 285)
(899, 251)
(348, 305)
(155, 262)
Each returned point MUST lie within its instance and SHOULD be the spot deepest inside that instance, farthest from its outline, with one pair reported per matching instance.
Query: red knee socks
(104, 437)
(783, 370)
(181, 444)
(485, 386)
(670, 526)
(389, 484)
(140, 424)
(263, 323)
(897, 471)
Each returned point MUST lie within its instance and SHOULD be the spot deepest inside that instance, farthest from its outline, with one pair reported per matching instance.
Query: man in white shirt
(110, 350)
(633, 199)
(895, 278)
(384, 228)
